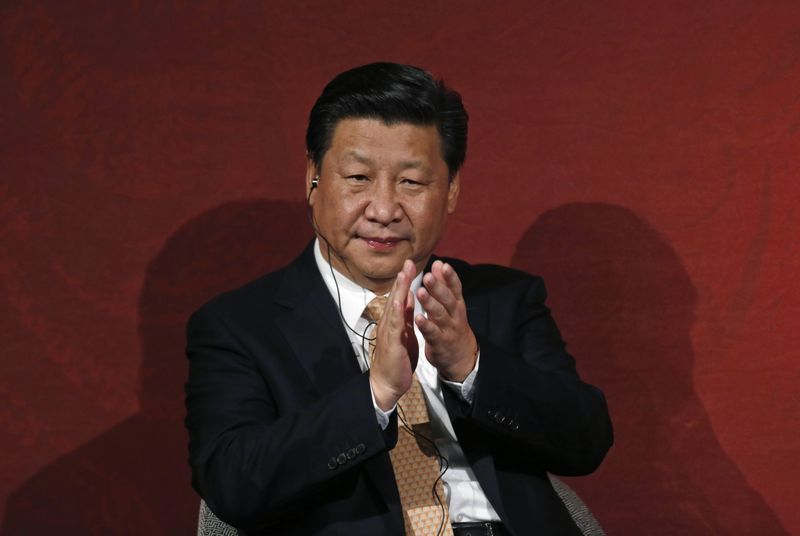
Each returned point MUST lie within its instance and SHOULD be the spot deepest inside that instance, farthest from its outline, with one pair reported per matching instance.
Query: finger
(448, 277)
(438, 289)
(435, 310)
(392, 319)
(430, 331)
(409, 335)
(394, 313)
(403, 285)
(452, 281)
(387, 308)
(409, 309)
(404, 278)
(410, 269)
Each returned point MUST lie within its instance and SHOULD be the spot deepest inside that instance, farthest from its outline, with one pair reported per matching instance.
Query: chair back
(208, 524)
(577, 509)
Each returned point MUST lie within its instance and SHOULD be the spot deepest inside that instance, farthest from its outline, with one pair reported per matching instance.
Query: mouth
(381, 243)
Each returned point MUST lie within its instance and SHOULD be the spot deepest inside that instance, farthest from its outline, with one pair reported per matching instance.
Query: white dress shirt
(465, 498)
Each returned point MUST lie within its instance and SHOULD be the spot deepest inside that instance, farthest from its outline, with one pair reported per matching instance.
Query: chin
(383, 272)
(383, 269)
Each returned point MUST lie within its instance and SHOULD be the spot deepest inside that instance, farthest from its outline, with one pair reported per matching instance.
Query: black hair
(393, 93)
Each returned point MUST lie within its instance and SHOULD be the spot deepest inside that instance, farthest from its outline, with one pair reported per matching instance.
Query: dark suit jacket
(283, 434)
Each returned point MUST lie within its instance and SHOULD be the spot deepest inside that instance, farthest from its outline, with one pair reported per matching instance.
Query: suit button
(351, 454)
(360, 448)
(341, 459)
(514, 425)
(332, 464)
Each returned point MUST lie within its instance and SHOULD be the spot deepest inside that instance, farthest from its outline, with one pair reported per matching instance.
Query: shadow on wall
(134, 478)
(625, 305)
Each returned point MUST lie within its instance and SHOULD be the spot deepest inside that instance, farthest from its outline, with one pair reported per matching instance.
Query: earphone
(315, 182)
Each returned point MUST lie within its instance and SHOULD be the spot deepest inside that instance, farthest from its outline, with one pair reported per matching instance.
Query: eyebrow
(361, 159)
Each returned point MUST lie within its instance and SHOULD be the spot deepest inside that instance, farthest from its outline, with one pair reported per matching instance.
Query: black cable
(444, 463)
(313, 224)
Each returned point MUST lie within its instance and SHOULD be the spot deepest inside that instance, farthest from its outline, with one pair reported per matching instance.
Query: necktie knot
(374, 309)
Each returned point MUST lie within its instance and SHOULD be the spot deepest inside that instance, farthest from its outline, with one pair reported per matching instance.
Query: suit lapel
(313, 328)
(312, 325)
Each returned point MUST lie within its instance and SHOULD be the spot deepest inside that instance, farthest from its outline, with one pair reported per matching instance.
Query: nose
(383, 206)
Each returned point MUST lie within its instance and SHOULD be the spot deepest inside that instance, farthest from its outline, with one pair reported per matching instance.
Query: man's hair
(392, 93)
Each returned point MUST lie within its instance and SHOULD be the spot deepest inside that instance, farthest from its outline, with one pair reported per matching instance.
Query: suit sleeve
(254, 464)
(528, 395)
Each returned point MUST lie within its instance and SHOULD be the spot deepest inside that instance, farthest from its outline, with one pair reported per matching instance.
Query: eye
(358, 178)
(412, 182)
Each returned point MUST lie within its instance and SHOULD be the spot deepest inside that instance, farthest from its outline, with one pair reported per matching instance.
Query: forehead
(371, 141)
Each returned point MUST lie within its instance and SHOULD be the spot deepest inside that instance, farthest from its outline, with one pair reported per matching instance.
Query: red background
(638, 154)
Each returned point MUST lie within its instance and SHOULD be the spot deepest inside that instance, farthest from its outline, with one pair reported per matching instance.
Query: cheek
(350, 209)
(421, 208)
(429, 224)
(342, 212)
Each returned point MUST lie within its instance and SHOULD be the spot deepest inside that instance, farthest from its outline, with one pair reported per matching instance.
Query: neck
(379, 287)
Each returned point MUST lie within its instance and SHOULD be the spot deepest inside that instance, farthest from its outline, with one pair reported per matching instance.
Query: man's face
(384, 194)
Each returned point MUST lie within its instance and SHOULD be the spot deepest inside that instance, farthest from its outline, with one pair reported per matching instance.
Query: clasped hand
(450, 344)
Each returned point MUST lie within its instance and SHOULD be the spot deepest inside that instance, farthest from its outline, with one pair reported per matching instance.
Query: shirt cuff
(466, 389)
(382, 416)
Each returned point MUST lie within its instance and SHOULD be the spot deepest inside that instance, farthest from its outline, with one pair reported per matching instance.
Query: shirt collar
(351, 297)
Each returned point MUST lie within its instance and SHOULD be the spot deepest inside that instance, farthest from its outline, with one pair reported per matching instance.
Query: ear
(311, 173)
(452, 193)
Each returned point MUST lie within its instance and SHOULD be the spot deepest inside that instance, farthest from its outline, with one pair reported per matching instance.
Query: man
(298, 380)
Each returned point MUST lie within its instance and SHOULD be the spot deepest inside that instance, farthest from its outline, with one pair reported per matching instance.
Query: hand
(450, 344)
(396, 348)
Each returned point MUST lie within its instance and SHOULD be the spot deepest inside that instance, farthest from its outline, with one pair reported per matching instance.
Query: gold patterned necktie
(414, 460)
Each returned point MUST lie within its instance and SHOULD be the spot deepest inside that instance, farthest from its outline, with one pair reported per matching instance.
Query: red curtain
(638, 155)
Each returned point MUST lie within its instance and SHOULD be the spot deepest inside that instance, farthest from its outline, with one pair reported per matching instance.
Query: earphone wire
(444, 463)
(328, 247)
